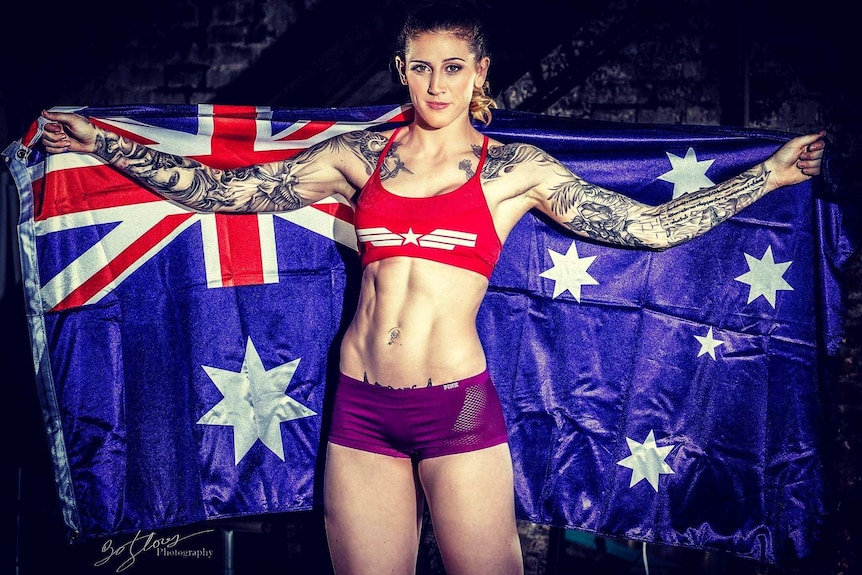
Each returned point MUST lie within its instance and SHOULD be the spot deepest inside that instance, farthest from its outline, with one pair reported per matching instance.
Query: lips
(437, 105)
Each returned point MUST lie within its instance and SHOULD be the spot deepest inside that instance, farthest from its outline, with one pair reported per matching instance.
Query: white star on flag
(254, 403)
(687, 174)
(765, 277)
(569, 272)
(646, 461)
(708, 344)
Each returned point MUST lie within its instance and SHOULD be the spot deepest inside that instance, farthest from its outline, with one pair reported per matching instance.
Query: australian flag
(185, 360)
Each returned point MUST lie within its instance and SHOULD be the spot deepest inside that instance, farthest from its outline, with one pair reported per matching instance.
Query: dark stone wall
(758, 64)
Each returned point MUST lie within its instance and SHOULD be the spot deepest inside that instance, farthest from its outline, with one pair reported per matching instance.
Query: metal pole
(227, 547)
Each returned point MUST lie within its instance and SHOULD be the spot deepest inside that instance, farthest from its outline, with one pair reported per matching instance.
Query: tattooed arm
(333, 166)
(601, 214)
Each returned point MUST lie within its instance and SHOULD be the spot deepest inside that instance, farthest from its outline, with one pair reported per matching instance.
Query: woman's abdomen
(415, 321)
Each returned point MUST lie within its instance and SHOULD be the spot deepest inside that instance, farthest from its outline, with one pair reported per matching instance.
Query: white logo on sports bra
(439, 238)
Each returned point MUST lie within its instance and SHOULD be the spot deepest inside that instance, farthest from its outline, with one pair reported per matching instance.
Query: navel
(394, 334)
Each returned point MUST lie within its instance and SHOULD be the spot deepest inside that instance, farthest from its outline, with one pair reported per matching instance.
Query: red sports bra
(454, 228)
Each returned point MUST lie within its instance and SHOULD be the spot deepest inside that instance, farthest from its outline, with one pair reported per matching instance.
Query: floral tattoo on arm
(265, 187)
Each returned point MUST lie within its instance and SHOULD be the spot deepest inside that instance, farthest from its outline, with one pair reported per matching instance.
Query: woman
(416, 417)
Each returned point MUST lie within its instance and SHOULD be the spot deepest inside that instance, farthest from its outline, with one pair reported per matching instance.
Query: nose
(436, 84)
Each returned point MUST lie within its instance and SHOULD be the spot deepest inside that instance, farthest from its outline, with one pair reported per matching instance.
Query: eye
(419, 68)
(453, 69)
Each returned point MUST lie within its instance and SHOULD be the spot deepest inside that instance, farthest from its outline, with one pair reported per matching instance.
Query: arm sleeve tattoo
(611, 217)
(614, 218)
(264, 187)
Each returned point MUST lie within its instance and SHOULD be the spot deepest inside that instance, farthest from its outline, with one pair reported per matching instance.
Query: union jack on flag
(185, 361)
(237, 250)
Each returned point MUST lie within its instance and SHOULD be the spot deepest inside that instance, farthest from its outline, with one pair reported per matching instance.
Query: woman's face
(441, 72)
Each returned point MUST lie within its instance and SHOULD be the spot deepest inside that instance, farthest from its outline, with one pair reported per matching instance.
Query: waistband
(479, 378)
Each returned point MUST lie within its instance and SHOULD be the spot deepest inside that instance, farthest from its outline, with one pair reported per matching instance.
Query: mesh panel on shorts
(469, 421)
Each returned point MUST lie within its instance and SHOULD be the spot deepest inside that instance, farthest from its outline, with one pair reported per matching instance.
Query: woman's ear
(482, 67)
(399, 66)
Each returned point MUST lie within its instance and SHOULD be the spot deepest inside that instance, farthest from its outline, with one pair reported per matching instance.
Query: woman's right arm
(338, 165)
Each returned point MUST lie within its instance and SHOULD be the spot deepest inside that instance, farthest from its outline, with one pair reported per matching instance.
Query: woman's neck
(440, 141)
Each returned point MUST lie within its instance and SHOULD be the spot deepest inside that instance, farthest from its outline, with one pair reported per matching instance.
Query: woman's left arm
(601, 214)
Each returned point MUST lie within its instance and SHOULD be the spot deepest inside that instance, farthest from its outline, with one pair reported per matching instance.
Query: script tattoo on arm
(694, 213)
(259, 188)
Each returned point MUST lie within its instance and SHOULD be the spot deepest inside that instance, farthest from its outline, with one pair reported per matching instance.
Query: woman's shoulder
(366, 144)
(368, 135)
(512, 153)
(514, 147)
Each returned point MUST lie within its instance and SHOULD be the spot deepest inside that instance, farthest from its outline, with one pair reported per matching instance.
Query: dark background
(785, 66)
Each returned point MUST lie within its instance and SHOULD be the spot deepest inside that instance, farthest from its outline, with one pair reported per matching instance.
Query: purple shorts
(423, 422)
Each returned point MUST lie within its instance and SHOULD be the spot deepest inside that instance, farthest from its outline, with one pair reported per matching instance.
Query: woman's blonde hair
(455, 19)
(481, 104)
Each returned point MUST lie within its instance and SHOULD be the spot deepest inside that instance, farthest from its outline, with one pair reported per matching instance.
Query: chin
(440, 118)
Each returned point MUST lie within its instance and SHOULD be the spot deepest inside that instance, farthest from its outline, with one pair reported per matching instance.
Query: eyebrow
(451, 59)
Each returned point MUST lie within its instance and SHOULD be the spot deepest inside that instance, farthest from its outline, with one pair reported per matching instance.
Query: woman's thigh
(373, 511)
(472, 502)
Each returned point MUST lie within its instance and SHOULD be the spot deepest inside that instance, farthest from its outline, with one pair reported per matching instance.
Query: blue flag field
(185, 361)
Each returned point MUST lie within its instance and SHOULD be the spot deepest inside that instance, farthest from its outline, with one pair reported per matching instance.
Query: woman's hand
(796, 161)
(67, 132)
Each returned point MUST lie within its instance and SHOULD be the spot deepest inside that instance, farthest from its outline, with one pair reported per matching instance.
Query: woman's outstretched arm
(333, 166)
(604, 215)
